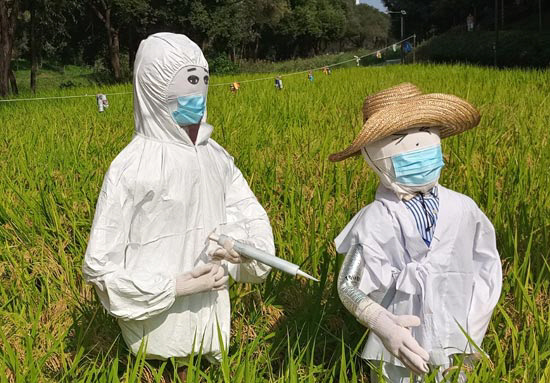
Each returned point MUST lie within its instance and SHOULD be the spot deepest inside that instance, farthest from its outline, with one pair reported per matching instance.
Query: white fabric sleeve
(393, 330)
(136, 295)
(487, 280)
(379, 273)
(248, 221)
(375, 243)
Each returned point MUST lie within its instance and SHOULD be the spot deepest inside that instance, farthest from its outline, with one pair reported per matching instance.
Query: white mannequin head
(407, 162)
(186, 95)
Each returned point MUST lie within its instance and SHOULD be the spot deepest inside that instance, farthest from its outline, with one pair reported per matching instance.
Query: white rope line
(224, 83)
(60, 97)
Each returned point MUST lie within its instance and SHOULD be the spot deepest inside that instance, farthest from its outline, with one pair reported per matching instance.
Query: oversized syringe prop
(261, 256)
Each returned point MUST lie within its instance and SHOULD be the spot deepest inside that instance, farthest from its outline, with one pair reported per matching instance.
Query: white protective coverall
(160, 198)
(454, 282)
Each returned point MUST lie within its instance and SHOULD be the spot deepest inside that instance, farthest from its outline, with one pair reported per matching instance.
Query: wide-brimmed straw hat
(403, 107)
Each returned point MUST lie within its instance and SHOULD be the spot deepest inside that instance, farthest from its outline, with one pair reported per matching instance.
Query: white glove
(228, 253)
(207, 277)
(394, 332)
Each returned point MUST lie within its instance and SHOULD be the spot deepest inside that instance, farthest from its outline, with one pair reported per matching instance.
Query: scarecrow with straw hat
(422, 270)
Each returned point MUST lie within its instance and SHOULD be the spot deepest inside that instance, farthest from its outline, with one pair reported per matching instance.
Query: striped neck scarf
(424, 208)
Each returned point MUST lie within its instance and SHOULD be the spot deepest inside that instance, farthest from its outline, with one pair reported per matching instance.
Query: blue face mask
(190, 110)
(418, 167)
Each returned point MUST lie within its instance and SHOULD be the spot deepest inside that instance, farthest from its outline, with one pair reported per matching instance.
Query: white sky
(376, 4)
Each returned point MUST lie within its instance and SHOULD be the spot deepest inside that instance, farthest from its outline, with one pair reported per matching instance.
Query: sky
(376, 4)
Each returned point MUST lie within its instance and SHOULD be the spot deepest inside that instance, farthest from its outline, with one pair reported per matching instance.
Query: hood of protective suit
(160, 77)
(417, 151)
(161, 198)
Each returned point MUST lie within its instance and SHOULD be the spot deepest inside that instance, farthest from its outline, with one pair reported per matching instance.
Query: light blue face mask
(418, 167)
(190, 110)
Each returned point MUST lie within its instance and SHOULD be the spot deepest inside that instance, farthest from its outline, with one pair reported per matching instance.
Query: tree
(9, 11)
(332, 22)
(44, 23)
(81, 31)
(265, 15)
(103, 11)
(116, 14)
(370, 27)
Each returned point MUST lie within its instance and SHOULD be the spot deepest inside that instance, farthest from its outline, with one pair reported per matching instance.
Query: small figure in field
(421, 261)
(310, 76)
(357, 60)
(278, 83)
(102, 102)
(162, 196)
(234, 87)
(470, 20)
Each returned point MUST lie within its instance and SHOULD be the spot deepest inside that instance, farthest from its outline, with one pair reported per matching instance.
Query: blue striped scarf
(424, 209)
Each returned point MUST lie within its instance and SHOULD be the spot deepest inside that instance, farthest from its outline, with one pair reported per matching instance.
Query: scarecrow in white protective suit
(161, 197)
(421, 260)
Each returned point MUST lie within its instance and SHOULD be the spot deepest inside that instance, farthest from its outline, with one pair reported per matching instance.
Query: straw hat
(403, 107)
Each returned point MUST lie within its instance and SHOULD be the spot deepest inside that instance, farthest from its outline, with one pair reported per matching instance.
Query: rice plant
(55, 153)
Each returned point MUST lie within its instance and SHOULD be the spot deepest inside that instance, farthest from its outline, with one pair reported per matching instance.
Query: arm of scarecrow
(136, 295)
(250, 224)
(393, 330)
(487, 280)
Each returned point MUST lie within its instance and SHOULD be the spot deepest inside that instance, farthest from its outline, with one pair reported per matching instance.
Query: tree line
(83, 31)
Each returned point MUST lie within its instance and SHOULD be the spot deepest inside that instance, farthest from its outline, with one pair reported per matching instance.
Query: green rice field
(55, 152)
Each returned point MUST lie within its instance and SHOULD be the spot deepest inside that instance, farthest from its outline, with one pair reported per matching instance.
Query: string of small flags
(234, 86)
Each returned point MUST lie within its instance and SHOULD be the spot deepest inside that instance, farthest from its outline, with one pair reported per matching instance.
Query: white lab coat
(160, 199)
(454, 282)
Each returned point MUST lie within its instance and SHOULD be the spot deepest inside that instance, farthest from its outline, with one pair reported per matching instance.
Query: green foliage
(515, 48)
(50, 20)
(221, 64)
(74, 31)
(53, 329)
(368, 27)
(53, 77)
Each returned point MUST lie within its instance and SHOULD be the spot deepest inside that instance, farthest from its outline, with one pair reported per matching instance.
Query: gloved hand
(394, 332)
(207, 277)
(228, 253)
